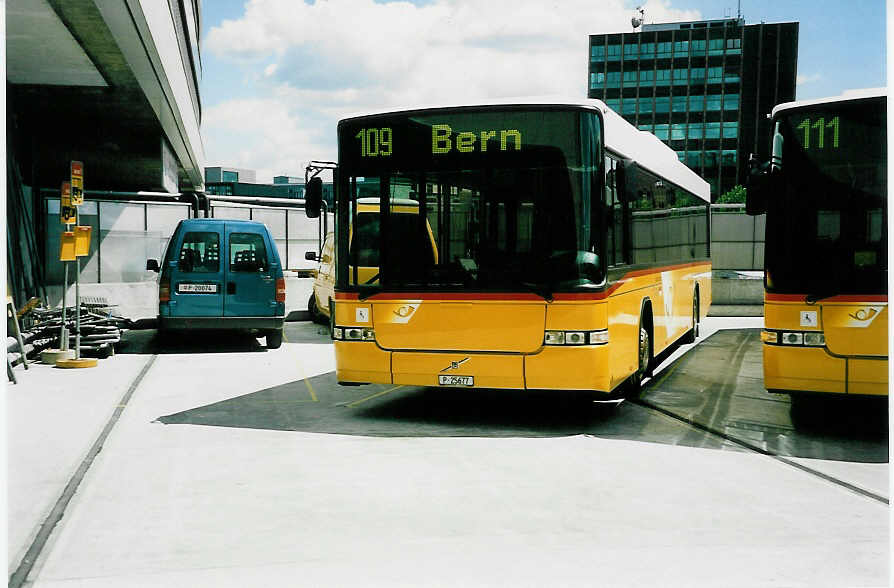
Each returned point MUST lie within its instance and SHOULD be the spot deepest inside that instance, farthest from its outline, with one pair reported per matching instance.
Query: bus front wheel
(644, 360)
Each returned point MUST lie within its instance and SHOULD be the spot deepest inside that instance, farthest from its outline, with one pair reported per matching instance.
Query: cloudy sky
(279, 74)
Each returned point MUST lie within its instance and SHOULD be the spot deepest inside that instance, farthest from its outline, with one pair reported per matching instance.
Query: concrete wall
(737, 240)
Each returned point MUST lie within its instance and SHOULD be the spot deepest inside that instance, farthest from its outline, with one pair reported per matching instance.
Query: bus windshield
(826, 224)
(506, 193)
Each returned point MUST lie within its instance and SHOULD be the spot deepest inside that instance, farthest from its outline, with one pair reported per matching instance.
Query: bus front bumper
(551, 368)
(798, 369)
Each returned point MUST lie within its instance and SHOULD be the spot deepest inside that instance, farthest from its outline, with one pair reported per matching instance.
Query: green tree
(735, 196)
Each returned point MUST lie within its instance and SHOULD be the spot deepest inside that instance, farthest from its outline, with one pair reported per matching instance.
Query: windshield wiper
(814, 298)
(366, 291)
(542, 290)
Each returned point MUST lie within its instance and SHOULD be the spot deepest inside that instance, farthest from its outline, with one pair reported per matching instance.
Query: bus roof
(621, 137)
(650, 153)
(845, 97)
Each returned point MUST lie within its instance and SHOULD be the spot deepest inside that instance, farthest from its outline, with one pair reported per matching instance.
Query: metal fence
(127, 233)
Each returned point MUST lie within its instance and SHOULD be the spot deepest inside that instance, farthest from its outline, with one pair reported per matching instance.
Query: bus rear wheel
(692, 334)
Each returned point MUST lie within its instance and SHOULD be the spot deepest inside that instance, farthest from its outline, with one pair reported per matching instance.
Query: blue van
(222, 274)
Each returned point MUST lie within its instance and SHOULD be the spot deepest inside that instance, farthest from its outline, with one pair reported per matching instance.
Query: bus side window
(609, 216)
(614, 213)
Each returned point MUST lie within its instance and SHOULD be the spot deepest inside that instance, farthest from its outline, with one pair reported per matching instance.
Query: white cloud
(338, 57)
(807, 79)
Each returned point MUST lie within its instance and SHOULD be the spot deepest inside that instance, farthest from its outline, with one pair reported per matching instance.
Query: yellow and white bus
(826, 295)
(571, 248)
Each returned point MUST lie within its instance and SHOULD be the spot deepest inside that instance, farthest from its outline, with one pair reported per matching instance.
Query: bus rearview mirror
(313, 197)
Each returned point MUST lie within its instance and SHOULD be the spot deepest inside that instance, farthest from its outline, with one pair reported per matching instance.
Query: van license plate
(456, 380)
(197, 288)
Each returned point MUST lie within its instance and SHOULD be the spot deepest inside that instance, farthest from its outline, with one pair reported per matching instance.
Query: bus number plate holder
(456, 380)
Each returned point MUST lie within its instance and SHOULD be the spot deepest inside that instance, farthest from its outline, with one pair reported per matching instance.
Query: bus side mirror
(313, 197)
(758, 187)
(152, 265)
(310, 255)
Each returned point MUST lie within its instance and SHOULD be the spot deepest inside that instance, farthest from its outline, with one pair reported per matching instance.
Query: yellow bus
(571, 248)
(825, 193)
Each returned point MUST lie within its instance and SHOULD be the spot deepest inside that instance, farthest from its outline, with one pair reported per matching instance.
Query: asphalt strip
(19, 576)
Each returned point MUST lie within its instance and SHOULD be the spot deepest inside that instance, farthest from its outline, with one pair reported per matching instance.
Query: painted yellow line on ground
(370, 397)
(310, 389)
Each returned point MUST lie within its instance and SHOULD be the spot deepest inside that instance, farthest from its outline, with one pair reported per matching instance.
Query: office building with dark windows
(704, 88)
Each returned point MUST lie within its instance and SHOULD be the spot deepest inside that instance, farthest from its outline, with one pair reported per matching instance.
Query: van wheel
(274, 339)
(312, 308)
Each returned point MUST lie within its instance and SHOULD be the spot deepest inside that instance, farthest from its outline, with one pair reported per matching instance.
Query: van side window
(199, 253)
(247, 253)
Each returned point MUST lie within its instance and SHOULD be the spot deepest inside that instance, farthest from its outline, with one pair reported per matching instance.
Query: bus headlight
(792, 338)
(554, 338)
(575, 337)
(799, 338)
(353, 334)
(599, 337)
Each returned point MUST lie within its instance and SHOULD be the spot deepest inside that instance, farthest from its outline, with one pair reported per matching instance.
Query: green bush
(735, 196)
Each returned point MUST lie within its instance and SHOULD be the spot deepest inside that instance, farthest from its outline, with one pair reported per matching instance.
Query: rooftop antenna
(637, 22)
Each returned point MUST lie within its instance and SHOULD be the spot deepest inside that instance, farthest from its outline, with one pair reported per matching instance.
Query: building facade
(113, 84)
(229, 174)
(702, 87)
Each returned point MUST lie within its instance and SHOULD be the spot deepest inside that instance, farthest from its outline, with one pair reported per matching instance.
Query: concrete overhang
(104, 81)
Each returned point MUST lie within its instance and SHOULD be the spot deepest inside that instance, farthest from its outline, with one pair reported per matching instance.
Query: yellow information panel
(82, 240)
(77, 183)
(67, 212)
(67, 246)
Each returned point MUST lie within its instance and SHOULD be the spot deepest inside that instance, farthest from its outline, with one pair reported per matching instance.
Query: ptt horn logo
(403, 313)
(454, 365)
(863, 317)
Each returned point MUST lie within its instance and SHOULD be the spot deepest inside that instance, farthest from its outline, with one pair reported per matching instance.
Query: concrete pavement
(187, 505)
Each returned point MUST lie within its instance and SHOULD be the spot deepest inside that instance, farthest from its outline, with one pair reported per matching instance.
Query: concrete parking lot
(223, 463)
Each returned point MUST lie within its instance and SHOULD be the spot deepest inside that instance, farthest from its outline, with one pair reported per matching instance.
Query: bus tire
(644, 360)
(692, 334)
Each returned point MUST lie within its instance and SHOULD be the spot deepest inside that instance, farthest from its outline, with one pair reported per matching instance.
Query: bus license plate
(456, 380)
(197, 288)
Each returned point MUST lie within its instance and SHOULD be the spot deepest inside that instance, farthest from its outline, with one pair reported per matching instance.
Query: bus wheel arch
(692, 334)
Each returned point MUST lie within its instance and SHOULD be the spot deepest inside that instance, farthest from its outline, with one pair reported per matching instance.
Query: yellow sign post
(67, 249)
(77, 183)
(67, 212)
(80, 247)
(82, 240)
